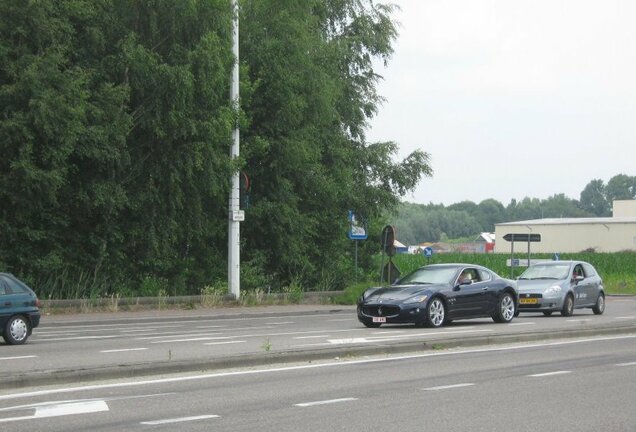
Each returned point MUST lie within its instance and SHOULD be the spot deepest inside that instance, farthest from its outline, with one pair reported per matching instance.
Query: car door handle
(485, 289)
(7, 304)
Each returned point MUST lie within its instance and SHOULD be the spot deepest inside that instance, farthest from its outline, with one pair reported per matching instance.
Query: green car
(19, 310)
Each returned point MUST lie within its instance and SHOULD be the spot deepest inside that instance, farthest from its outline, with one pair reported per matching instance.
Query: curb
(61, 377)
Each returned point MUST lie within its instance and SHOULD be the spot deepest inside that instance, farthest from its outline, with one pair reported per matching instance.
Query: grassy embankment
(618, 270)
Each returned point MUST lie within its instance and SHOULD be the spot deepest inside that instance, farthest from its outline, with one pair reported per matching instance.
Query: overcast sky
(512, 98)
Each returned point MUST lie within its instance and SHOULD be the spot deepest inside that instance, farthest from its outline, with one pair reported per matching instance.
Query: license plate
(528, 301)
(379, 319)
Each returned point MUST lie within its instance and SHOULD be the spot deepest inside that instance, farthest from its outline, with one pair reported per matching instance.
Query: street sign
(357, 229)
(522, 237)
(387, 240)
(428, 251)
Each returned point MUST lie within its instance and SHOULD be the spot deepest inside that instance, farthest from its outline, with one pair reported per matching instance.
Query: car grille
(530, 295)
(381, 310)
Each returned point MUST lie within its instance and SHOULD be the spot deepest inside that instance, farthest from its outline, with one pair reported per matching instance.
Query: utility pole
(235, 215)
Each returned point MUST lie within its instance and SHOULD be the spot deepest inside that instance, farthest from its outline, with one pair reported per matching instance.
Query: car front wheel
(568, 306)
(505, 309)
(599, 307)
(16, 331)
(435, 312)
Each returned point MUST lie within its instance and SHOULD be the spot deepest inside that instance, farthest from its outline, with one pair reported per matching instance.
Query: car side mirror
(578, 278)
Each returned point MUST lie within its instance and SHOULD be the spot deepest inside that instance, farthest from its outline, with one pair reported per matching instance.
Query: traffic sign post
(428, 253)
(525, 237)
(357, 231)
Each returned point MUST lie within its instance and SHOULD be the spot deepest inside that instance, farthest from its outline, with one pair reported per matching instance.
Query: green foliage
(351, 293)
(115, 133)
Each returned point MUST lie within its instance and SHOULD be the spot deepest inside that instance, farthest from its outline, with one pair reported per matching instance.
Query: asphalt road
(74, 348)
(566, 385)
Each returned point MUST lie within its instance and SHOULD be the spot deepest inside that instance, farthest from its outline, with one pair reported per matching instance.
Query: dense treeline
(115, 134)
(417, 223)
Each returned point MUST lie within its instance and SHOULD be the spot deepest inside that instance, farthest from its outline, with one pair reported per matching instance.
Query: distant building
(488, 241)
(624, 208)
(602, 234)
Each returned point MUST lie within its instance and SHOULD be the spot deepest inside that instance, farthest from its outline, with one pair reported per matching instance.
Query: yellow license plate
(528, 301)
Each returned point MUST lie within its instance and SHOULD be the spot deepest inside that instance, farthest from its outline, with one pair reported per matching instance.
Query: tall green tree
(593, 198)
(621, 187)
(311, 71)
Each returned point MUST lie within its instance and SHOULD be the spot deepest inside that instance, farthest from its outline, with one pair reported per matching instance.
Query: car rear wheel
(16, 331)
(599, 307)
(505, 309)
(435, 312)
(568, 306)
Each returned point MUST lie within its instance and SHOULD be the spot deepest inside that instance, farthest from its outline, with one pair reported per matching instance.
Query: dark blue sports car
(436, 294)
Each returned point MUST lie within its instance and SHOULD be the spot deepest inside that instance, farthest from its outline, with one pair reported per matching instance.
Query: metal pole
(356, 278)
(512, 255)
(234, 237)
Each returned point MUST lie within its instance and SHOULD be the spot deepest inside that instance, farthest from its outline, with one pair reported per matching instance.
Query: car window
(550, 271)
(468, 274)
(3, 290)
(15, 286)
(429, 275)
(484, 275)
(589, 270)
(578, 271)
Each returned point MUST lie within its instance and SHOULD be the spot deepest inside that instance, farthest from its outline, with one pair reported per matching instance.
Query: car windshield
(552, 271)
(429, 275)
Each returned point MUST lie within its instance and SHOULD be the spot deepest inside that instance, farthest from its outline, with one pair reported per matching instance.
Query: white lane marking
(310, 337)
(18, 357)
(123, 350)
(549, 374)
(387, 338)
(626, 364)
(102, 327)
(281, 323)
(179, 420)
(446, 387)
(309, 366)
(626, 317)
(211, 327)
(81, 338)
(522, 323)
(62, 409)
(255, 335)
(325, 402)
(388, 332)
(183, 320)
(578, 320)
(168, 335)
(224, 343)
(197, 339)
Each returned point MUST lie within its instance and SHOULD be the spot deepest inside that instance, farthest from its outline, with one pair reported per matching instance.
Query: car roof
(453, 265)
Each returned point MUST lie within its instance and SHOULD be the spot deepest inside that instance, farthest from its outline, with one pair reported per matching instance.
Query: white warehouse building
(571, 235)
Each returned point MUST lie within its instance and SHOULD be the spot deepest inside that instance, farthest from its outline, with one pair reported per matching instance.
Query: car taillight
(38, 304)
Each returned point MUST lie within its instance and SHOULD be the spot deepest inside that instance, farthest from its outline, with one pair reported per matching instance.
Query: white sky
(512, 98)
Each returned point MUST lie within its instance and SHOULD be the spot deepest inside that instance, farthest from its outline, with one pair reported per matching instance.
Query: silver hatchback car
(562, 286)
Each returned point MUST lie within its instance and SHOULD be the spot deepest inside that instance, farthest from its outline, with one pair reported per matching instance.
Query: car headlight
(417, 299)
(553, 291)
